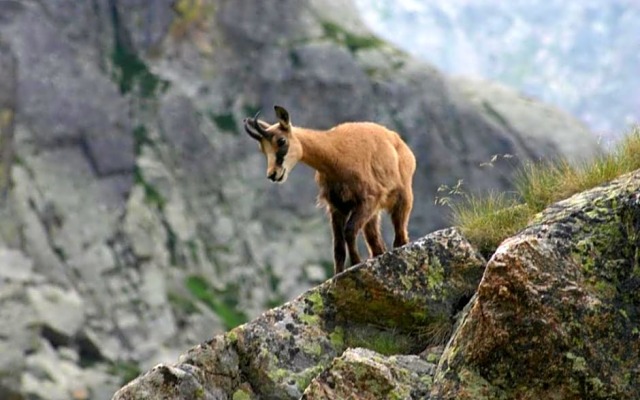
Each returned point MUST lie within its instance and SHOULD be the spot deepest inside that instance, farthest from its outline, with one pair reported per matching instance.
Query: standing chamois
(361, 169)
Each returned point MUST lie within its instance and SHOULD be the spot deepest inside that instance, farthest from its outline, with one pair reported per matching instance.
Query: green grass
(224, 122)
(182, 303)
(132, 74)
(126, 370)
(224, 304)
(353, 42)
(384, 341)
(487, 220)
(189, 14)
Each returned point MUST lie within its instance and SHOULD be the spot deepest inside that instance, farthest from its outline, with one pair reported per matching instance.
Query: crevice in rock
(56, 339)
(88, 351)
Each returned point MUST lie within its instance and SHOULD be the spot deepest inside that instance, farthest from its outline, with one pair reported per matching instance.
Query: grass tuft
(384, 341)
(353, 42)
(486, 221)
(221, 303)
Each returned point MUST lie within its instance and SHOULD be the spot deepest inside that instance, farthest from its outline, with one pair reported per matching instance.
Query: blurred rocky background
(136, 219)
(582, 56)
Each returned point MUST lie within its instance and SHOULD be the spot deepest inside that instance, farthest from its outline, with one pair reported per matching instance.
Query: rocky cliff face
(554, 316)
(132, 201)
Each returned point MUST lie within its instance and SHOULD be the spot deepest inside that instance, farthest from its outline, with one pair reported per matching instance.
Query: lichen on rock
(394, 297)
(556, 311)
(362, 374)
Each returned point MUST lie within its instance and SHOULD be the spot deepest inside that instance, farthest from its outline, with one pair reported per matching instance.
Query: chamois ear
(283, 117)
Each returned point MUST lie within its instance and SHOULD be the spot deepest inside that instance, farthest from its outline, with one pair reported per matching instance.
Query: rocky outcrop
(554, 316)
(364, 374)
(129, 184)
(556, 313)
(393, 304)
(42, 339)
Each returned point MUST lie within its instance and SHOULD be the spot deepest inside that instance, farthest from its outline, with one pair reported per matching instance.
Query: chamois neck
(315, 148)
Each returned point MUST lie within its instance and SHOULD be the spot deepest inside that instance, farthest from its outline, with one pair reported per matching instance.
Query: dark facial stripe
(281, 153)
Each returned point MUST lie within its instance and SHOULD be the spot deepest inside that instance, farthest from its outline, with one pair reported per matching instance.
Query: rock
(365, 374)
(15, 267)
(57, 309)
(554, 315)
(556, 311)
(63, 98)
(533, 121)
(215, 361)
(144, 24)
(414, 290)
(7, 115)
(49, 376)
(17, 337)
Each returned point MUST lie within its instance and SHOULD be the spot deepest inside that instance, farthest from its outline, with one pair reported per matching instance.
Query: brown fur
(361, 168)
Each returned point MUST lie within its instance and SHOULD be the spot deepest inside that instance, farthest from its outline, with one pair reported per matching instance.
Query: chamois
(361, 169)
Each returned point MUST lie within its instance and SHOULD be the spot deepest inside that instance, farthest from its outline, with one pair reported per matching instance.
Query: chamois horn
(254, 129)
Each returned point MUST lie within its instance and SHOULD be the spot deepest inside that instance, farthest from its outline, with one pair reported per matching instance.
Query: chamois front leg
(338, 221)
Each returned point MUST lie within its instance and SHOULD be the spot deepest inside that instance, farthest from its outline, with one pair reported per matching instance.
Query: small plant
(190, 14)
(437, 332)
(449, 193)
(353, 42)
(224, 122)
(223, 304)
(487, 220)
(126, 370)
(384, 341)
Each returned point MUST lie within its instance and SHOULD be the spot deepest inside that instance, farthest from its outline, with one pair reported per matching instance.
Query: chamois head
(282, 149)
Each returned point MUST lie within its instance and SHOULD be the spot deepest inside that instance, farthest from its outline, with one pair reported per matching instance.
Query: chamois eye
(281, 141)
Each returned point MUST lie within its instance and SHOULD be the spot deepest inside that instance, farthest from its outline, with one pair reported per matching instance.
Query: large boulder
(393, 304)
(362, 374)
(556, 312)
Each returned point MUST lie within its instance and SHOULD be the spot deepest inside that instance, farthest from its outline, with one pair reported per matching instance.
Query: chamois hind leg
(373, 237)
(400, 217)
(359, 216)
(338, 221)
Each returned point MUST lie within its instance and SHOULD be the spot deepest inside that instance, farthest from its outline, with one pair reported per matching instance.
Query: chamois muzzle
(253, 128)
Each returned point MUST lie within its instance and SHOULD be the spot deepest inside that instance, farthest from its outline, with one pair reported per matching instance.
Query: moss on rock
(557, 307)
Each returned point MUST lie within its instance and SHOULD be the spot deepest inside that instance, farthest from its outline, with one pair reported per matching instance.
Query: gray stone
(295, 21)
(280, 352)
(145, 24)
(110, 154)
(25, 198)
(555, 311)
(17, 336)
(365, 374)
(63, 97)
(144, 229)
(15, 267)
(539, 126)
(57, 309)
